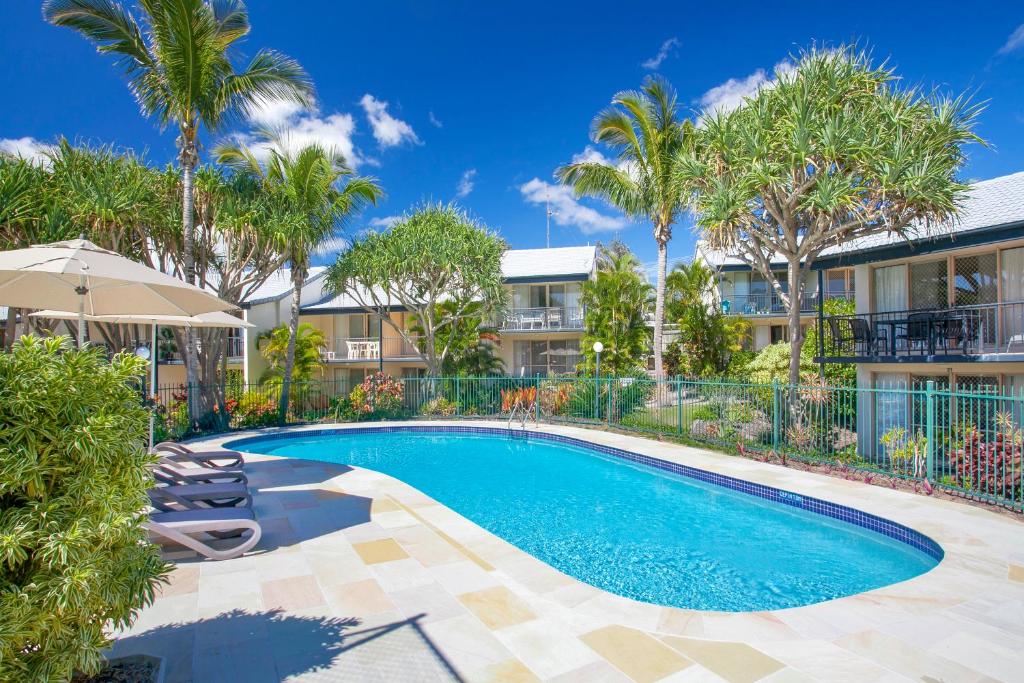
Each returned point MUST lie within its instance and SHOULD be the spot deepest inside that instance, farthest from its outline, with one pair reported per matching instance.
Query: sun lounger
(170, 497)
(180, 527)
(168, 472)
(217, 459)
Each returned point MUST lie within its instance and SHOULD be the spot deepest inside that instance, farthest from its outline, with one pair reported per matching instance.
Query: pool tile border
(886, 527)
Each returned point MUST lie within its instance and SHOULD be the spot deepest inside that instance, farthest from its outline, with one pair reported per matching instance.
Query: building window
(779, 333)
(547, 357)
(839, 283)
(928, 285)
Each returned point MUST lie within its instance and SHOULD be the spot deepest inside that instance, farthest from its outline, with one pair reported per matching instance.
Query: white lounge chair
(171, 497)
(181, 526)
(167, 471)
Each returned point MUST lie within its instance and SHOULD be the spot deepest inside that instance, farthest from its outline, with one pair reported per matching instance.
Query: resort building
(539, 333)
(944, 306)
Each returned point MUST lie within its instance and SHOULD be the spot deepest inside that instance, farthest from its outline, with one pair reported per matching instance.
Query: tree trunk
(12, 327)
(659, 306)
(298, 277)
(796, 338)
(188, 162)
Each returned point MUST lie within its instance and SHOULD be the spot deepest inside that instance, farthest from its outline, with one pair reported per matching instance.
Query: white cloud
(27, 148)
(434, 121)
(384, 221)
(332, 246)
(729, 95)
(591, 155)
(298, 127)
(567, 210)
(389, 131)
(1014, 42)
(466, 183)
(664, 51)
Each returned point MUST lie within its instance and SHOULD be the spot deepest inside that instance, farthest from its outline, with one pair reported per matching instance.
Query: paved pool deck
(360, 577)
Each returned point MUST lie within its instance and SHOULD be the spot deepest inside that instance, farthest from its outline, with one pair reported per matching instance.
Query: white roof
(553, 263)
(989, 204)
(341, 301)
(515, 263)
(279, 285)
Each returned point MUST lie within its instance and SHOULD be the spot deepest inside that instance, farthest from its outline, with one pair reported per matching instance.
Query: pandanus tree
(645, 132)
(834, 150)
(177, 57)
(314, 194)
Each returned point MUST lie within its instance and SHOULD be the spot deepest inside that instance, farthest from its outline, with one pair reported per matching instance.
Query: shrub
(379, 396)
(991, 465)
(439, 406)
(74, 560)
(255, 409)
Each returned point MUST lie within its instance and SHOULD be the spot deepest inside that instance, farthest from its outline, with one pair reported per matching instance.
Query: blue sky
(479, 102)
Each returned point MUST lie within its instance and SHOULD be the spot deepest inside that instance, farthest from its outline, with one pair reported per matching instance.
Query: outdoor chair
(182, 526)
(951, 331)
(839, 339)
(864, 337)
(171, 497)
(181, 453)
(918, 330)
(168, 472)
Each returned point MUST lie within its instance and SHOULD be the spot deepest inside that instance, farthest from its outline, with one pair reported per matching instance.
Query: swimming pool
(682, 538)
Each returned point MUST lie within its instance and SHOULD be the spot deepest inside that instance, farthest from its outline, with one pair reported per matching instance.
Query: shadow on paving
(277, 646)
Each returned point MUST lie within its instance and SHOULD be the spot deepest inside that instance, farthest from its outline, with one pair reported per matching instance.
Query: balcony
(169, 352)
(369, 348)
(542, 319)
(982, 332)
(772, 305)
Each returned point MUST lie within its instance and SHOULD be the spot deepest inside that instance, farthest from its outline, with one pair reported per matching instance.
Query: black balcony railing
(542, 318)
(959, 331)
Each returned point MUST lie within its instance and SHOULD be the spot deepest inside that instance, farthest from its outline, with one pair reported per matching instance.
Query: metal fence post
(458, 394)
(775, 414)
(929, 430)
(608, 411)
(679, 405)
(536, 402)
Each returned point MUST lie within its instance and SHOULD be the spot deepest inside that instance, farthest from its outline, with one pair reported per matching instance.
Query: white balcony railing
(369, 348)
(542, 318)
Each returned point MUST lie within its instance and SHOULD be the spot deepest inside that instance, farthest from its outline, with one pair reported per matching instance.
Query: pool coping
(917, 513)
(811, 504)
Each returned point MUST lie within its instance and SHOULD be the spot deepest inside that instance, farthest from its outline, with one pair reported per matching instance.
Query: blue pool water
(627, 528)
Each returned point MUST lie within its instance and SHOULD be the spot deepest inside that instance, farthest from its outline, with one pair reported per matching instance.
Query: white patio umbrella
(77, 275)
(214, 319)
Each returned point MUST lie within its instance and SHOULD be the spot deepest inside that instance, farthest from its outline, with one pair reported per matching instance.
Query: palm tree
(176, 55)
(617, 304)
(309, 208)
(307, 344)
(643, 129)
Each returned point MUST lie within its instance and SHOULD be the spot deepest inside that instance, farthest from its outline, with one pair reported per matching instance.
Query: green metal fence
(964, 442)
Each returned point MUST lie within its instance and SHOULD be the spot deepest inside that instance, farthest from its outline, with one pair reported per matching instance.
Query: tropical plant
(436, 254)
(835, 374)
(991, 464)
(616, 304)
(472, 352)
(644, 131)
(312, 204)
(835, 150)
(707, 337)
(307, 347)
(772, 363)
(255, 408)
(379, 396)
(177, 57)
(75, 562)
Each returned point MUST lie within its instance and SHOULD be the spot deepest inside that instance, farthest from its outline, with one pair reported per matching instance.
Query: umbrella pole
(153, 359)
(81, 311)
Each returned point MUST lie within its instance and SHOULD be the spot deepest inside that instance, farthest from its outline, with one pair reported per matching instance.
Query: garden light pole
(598, 348)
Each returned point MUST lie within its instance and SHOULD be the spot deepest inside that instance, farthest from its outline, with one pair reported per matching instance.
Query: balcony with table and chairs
(369, 348)
(541, 318)
(990, 331)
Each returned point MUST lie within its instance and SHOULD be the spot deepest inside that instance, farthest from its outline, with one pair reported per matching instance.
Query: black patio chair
(918, 332)
(864, 337)
(951, 332)
(839, 339)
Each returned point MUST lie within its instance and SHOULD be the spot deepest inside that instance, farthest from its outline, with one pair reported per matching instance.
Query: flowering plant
(379, 395)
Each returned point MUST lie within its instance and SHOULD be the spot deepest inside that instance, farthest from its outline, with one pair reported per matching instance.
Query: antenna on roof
(548, 214)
